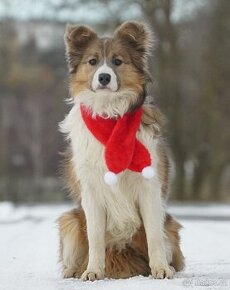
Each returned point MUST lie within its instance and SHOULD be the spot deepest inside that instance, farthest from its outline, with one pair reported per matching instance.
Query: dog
(121, 229)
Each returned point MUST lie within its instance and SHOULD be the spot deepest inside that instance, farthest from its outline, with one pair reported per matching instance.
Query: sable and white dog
(121, 230)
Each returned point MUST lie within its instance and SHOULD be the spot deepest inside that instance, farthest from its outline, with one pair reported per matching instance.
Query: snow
(29, 251)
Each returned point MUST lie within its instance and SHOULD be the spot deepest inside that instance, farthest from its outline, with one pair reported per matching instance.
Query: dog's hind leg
(73, 243)
(176, 258)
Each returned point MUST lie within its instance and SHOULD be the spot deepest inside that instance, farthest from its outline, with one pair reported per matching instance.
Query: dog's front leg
(152, 212)
(95, 220)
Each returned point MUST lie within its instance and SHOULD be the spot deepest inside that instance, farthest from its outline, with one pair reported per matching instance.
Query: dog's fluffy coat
(122, 230)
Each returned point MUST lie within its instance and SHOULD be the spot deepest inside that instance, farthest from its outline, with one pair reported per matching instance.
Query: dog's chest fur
(121, 200)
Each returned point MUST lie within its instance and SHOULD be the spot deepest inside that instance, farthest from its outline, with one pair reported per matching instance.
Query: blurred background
(191, 69)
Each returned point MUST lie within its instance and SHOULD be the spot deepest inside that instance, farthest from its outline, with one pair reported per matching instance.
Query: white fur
(69, 256)
(112, 85)
(95, 219)
(106, 103)
(113, 213)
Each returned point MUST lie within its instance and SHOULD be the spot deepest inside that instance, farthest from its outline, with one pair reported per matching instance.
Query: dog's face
(108, 74)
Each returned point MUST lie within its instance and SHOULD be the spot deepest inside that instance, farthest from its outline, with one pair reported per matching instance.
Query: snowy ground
(29, 251)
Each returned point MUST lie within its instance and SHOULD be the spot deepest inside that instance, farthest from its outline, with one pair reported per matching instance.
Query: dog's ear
(135, 35)
(77, 39)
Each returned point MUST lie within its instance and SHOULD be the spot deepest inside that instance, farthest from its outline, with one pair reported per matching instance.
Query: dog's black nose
(104, 79)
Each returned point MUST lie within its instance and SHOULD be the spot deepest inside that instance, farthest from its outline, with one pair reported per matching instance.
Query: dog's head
(108, 74)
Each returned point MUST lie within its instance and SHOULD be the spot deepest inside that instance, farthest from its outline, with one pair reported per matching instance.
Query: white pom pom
(110, 178)
(148, 172)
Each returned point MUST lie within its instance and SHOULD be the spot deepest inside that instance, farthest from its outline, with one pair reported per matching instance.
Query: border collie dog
(119, 227)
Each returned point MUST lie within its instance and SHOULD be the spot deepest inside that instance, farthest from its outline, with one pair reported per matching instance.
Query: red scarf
(122, 149)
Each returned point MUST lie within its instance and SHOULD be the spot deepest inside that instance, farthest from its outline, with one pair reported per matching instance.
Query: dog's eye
(117, 61)
(93, 61)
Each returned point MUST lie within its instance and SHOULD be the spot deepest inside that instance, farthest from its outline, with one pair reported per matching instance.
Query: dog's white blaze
(104, 68)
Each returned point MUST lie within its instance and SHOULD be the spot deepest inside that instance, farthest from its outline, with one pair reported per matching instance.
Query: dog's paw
(92, 275)
(161, 272)
(69, 273)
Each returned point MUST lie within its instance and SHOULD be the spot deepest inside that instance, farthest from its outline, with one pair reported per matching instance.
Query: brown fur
(154, 121)
(77, 39)
(131, 261)
(163, 167)
(72, 183)
(153, 118)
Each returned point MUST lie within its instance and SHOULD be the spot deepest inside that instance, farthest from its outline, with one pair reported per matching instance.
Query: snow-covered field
(29, 251)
